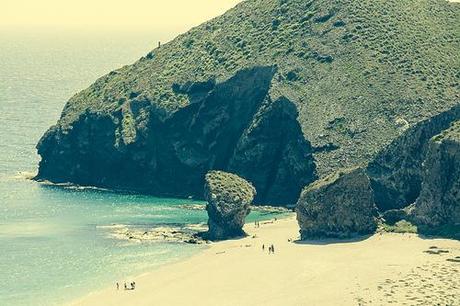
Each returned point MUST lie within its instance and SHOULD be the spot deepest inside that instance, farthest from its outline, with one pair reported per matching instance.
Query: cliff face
(439, 201)
(346, 84)
(230, 125)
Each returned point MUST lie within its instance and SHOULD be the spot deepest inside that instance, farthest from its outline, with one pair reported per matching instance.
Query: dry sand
(379, 270)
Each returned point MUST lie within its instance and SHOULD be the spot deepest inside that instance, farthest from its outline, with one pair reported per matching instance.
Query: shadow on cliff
(444, 232)
(232, 126)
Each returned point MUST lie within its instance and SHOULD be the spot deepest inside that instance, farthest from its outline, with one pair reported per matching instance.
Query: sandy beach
(387, 268)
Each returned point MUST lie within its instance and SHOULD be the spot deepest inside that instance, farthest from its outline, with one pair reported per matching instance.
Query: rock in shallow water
(229, 198)
(340, 206)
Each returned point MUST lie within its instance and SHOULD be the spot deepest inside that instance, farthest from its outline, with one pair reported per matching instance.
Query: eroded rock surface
(229, 198)
(397, 173)
(439, 201)
(341, 205)
(232, 125)
(203, 100)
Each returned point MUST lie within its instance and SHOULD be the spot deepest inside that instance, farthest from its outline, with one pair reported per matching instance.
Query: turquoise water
(55, 242)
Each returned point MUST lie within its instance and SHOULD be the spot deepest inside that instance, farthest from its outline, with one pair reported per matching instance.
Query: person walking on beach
(263, 247)
(126, 287)
(118, 286)
(273, 249)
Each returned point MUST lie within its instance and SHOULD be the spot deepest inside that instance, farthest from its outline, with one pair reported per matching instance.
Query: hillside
(280, 92)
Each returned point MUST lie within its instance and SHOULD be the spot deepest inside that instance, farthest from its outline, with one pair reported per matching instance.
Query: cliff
(280, 92)
(439, 201)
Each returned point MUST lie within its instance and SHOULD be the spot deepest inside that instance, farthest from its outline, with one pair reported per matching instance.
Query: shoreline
(380, 269)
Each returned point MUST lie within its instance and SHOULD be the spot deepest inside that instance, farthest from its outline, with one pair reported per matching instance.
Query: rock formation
(341, 205)
(393, 216)
(229, 198)
(230, 125)
(439, 201)
(280, 92)
(397, 171)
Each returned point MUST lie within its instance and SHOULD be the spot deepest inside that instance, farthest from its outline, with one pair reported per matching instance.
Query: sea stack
(439, 201)
(229, 198)
(338, 206)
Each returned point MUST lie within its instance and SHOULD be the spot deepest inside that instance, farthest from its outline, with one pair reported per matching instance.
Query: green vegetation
(453, 133)
(354, 68)
(331, 178)
(227, 187)
(402, 226)
(128, 128)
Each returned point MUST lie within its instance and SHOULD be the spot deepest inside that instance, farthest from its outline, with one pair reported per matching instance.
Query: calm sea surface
(55, 243)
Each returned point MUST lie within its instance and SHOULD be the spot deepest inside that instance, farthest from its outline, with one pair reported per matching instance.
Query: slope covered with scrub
(328, 85)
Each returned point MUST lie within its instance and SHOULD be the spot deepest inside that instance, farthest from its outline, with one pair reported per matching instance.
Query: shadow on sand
(328, 241)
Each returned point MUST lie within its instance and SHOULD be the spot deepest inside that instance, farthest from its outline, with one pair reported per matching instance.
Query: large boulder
(340, 206)
(439, 201)
(229, 198)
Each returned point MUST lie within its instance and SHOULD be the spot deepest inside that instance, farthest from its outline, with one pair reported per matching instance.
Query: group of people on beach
(271, 248)
(132, 286)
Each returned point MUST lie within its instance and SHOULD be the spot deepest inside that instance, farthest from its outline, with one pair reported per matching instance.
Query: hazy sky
(155, 14)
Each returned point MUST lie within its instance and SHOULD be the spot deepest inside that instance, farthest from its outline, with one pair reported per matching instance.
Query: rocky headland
(285, 94)
(281, 93)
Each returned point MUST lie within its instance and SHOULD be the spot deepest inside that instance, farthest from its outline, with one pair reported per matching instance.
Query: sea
(57, 242)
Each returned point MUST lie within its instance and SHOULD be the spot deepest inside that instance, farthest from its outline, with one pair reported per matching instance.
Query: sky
(151, 14)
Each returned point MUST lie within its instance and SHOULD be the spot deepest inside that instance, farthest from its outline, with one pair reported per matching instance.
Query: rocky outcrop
(439, 201)
(341, 205)
(396, 173)
(229, 198)
(213, 99)
(232, 125)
